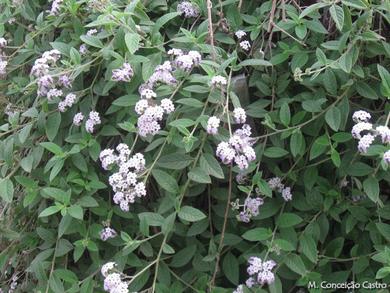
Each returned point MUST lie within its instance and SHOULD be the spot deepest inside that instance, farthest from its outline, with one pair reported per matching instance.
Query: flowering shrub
(193, 146)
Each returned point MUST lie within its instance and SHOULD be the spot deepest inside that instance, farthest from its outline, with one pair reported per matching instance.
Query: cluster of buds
(55, 7)
(68, 102)
(250, 209)
(124, 182)
(50, 86)
(238, 149)
(151, 113)
(260, 272)
(125, 73)
(276, 184)
(187, 9)
(92, 121)
(107, 233)
(113, 279)
(218, 81)
(366, 133)
(244, 44)
(3, 63)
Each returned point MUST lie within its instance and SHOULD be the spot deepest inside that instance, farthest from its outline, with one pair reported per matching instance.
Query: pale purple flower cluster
(386, 157)
(260, 272)
(239, 115)
(68, 102)
(187, 9)
(3, 63)
(47, 85)
(55, 7)
(92, 32)
(107, 233)
(251, 209)
(3, 66)
(218, 81)
(362, 125)
(212, 125)
(92, 121)
(187, 61)
(83, 49)
(239, 289)
(245, 45)
(78, 119)
(276, 184)
(162, 74)
(240, 34)
(125, 73)
(124, 182)
(42, 65)
(150, 113)
(361, 116)
(238, 148)
(113, 282)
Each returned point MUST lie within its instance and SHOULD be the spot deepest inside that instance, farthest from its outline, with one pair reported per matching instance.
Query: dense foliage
(204, 146)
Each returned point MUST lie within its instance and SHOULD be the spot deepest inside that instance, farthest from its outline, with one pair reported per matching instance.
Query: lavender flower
(92, 121)
(107, 233)
(78, 118)
(107, 268)
(384, 133)
(3, 42)
(365, 142)
(359, 127)
(239, 115)
(386, 157)
(125, 73)
(3, 66)
(286, 194)
(55, 7)
(240, 34)
(124, 182)
(92, 32)
(218, 81)
(83, 49)
(65, 81)
(187, 9)
(361, 116)
(167, 106)
(245, 45)
(239, 148)
(212, 125)
(175, 52)
(260, 272)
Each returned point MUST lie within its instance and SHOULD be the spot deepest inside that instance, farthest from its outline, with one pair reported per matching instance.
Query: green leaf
(312, 8)
(385, 76)
(275, 152)
(57, 194)
(333, 118)
(337, 14)
(52, 125)
(190, 102)
(6, 189)
(284, 114)
(132, 42)
(199, 175)
(288, 220)
(76, 212)
(191, 214)
(255, 62)
(295, 263)
(371, 188)
(382, 273)
(182, 122)
(319, 147)
(210, 165)
(384, 229)
(49, 211)
(257, 234)
(309, 248)
(174, 161)
(230, 268)
(165, 180)
(92, 41)
(52, 147)
(297, 143)
(163, 20)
